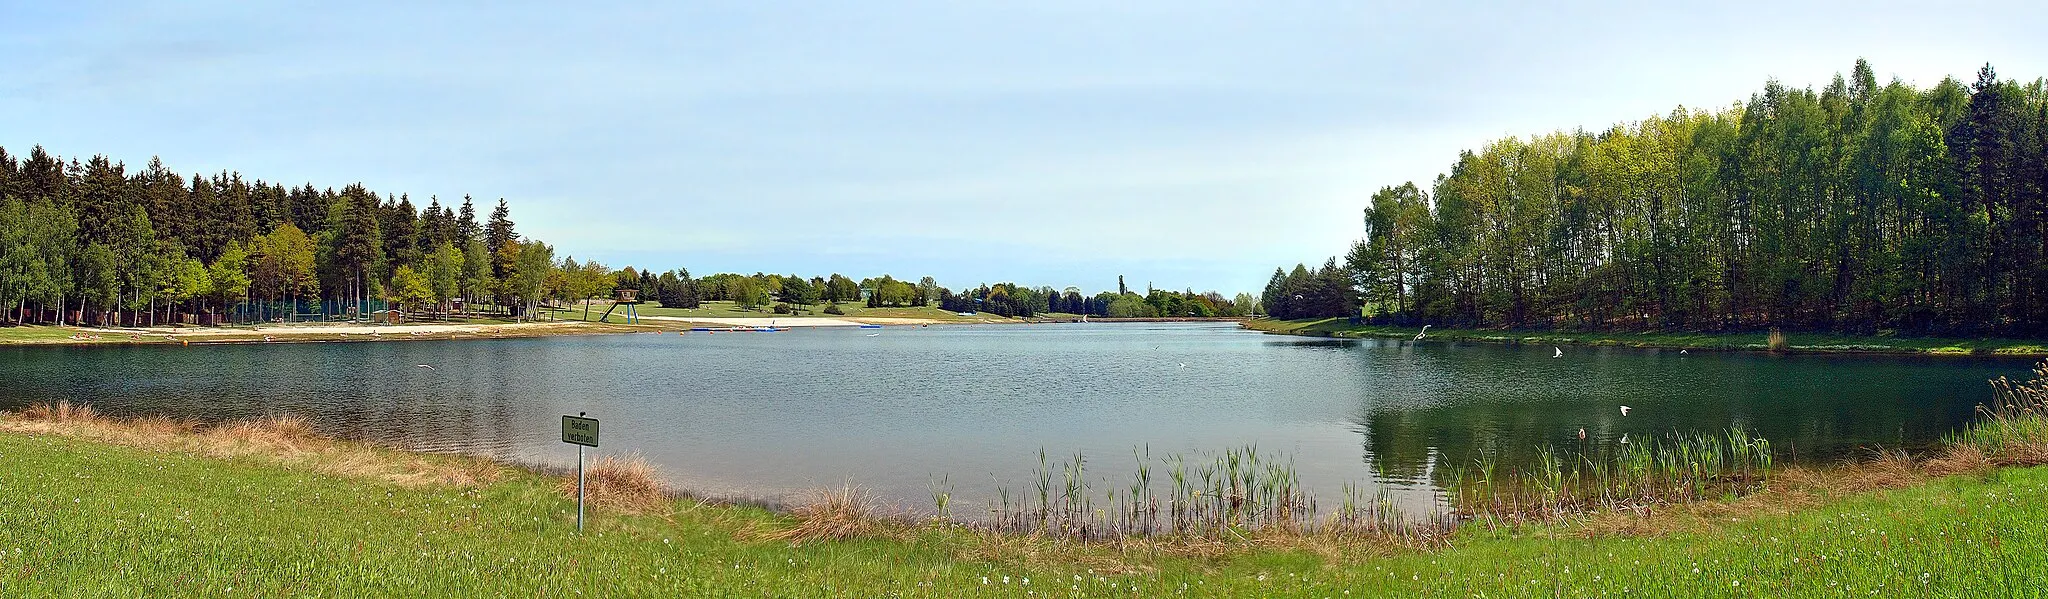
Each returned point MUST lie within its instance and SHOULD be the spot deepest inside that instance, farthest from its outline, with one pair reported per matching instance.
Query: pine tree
(401, 234)
(465, 225)
(497, 235)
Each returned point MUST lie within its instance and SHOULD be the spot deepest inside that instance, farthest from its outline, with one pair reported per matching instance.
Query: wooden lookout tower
(627, 298)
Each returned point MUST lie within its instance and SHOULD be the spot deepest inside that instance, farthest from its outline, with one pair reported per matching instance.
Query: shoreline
(325, 332)
(1797, 343)
(149, 503)
(188, 335)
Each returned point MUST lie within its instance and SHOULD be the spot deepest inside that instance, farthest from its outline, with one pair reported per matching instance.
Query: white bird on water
(426, 366)
(1560, 352)
(1625, 409)
(874, 334)
(1425, 331)
(1183, 364)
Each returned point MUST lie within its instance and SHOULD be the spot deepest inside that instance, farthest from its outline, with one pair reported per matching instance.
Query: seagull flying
(426, 366)
(1624, 438)
(1425, 331)
(1560, 352)
(1625, 409)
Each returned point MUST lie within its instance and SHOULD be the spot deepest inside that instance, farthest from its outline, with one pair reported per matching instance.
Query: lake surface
(772, 415)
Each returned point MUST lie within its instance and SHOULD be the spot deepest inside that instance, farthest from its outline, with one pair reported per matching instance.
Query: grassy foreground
(167, 509)
(1797, 342)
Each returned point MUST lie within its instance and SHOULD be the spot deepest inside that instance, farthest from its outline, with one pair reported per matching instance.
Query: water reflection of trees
(1406, 443)
(1440, 408)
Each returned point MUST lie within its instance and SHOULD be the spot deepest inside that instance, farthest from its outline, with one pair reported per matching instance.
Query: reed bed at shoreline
(1242, 492)
(1204, 495)
(2013, 430)
(1672, 468)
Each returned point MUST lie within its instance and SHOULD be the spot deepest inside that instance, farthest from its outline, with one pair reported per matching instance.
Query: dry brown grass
(833, 514)
(62, 411)
(284, 440)
(627, 483)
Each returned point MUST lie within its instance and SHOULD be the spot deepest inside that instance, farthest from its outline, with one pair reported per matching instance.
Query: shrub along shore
(159, 507)
(1795, 342)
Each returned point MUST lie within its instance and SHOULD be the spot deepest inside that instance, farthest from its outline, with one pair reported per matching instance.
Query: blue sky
(1187, 144)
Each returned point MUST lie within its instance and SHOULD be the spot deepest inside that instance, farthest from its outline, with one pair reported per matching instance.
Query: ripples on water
(768, 415)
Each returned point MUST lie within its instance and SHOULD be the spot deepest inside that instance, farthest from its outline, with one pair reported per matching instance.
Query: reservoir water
(768, 416)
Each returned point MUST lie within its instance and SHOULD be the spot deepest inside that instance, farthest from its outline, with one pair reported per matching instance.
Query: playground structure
(630, 299)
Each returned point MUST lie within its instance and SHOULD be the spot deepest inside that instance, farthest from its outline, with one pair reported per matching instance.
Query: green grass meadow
(86, 519)
(37, 334)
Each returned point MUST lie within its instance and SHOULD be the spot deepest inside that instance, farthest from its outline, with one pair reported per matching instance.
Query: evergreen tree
(400, 232)
(497, 235)
(465, 225)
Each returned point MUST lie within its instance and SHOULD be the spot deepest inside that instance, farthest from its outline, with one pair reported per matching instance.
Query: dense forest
(98, 243)
(94, 243)
(1862, 207)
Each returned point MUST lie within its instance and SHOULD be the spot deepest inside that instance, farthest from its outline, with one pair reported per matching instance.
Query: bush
(783, 308)
(833, 308)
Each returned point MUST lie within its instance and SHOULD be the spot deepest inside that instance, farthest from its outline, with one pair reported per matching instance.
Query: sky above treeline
(1184, 144)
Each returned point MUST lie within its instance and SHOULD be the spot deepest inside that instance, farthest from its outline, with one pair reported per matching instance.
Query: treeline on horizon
(784, 294)
(96, 243)
(1859, 208)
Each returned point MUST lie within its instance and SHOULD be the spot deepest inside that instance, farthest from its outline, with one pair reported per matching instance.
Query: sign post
(581, 432)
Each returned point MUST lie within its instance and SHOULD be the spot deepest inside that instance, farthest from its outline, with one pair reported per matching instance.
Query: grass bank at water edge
(264, 510)
(1714, 341)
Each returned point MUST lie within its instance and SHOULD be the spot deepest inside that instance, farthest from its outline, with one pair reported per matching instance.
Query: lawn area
(731, 310)
(1797, 342)
(35, 334)
(88, 518)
